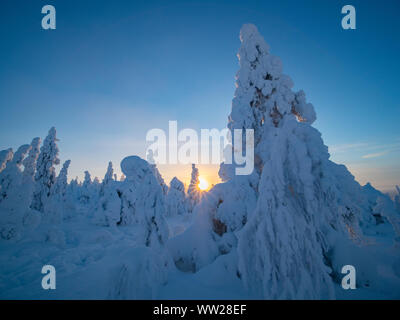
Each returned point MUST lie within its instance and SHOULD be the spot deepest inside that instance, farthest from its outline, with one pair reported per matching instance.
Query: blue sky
(114, 69)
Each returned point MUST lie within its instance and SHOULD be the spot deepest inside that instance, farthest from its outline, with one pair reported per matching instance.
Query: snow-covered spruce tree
(176, 198)
(108, 177)
(86, 190)
(108, 208)
(57, 207)
(73, 193)
(11, 176)
(30, 161)
(144, 268)
(25, 191)
(194, 193)
(142, 201)
(45, 175)
(304, 201)
(11, 209)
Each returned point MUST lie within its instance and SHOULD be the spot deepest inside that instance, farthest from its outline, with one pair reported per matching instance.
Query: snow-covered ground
(87, 259)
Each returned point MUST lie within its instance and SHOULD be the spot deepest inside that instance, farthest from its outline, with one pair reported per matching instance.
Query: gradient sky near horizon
(112, 70)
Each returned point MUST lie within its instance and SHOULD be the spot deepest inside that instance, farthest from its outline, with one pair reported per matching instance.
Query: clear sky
(114, 69)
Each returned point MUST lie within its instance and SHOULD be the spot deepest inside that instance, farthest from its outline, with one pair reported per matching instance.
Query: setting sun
(203, 184)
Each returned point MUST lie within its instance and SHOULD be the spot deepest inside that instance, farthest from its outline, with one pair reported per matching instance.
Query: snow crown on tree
(5, 156)
(263, 95)
(45, 175)
(135, 168)
(30, 161)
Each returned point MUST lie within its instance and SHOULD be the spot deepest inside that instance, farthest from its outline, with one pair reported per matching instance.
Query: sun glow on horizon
(203, 184)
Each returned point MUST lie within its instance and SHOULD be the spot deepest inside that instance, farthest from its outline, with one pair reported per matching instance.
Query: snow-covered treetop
(20, 154)
(63, 176)
(109, 174)
(263, 94)
(5, 156)
(60, 186)
(193, 189)
(87, 180)
(176, 184)
(135, 168)
(30, 161)
(194, 180)
(45, 175)
(48, 157)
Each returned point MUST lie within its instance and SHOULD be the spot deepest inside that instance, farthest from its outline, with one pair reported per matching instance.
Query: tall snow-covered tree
(143, 202)
(194, 192)
(45, 176)
(304, 200)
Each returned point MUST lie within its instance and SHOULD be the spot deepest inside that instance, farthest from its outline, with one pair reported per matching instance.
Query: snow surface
(283, 232)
